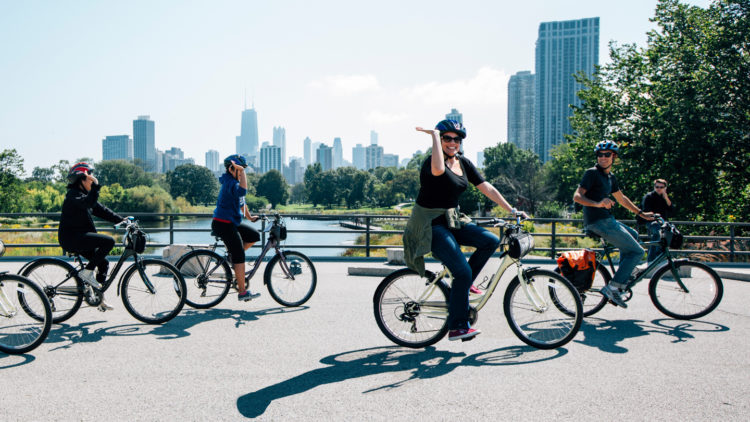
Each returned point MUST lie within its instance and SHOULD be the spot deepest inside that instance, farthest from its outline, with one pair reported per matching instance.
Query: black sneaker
(247, 296)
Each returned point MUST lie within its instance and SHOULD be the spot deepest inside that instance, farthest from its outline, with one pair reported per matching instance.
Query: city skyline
(322, 70)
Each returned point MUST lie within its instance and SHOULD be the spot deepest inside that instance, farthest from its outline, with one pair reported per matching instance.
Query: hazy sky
(73, 72)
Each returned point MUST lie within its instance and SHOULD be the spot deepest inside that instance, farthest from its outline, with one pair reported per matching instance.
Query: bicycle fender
(26, 265)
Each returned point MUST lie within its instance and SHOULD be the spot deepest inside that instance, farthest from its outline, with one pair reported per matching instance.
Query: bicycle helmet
(79, 170)
(236, 159)
(451, 126)
(607, 146)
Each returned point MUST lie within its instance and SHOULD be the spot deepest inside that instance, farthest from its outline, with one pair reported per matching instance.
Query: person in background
(658, 202)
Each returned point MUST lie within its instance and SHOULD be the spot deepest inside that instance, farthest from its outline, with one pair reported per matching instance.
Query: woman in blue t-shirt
(227, 222)
(445, 175)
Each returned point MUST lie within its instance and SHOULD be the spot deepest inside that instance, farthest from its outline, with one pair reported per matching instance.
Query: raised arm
(438, 161)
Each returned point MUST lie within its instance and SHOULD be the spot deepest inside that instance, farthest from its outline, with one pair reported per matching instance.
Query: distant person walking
(658, 202)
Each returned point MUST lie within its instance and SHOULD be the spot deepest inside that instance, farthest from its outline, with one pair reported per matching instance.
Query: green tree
(313, 188)
(123, 172)
(11, 189)
(679, 108)
(195, 183)
(42, 174)
(297, 194)
(273, 187)
(517, 174)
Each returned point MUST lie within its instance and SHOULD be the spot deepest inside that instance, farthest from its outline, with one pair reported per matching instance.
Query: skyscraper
(338, 153)
(247, 142)
(279, 139)
(270, 158)
(358, 157)
(521, 110)
(563, 49)
(373, 137)
(373, 157)
(144, 146)
(390, 160)
(324, 156)
(212, 160)
(455, 116)
(307, 151)
(119, 147)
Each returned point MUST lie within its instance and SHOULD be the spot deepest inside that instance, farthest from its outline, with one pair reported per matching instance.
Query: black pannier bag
(671, 236)
(278, 232)
(579, 267)
(136, 241)
(519, 244)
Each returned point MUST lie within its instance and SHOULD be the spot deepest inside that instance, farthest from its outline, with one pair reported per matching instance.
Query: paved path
(329, 361)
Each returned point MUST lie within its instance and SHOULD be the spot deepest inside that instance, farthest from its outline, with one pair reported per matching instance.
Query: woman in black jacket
(77, 232)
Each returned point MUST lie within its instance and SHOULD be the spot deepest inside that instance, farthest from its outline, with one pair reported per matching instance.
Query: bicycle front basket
(136, 241)
(278, 232)
(519, 244)
(671, 236)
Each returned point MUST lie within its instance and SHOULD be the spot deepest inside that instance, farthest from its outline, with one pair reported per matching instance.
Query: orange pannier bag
(579, 267)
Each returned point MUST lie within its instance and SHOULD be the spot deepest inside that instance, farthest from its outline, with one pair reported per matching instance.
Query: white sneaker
(104, 306)
(88, 277)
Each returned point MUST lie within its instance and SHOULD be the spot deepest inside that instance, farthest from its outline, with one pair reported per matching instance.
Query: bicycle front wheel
(207, 277)
(695, 291)
(411, 311)
(25, 315)
(153, 291)
(291, 281)
(535, 316)
(57, 280)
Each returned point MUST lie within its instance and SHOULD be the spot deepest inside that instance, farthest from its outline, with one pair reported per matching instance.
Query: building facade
(279, 139)
(455, 116)
(324, 156)
(213, 162)
(118, 147)
(521, 94)
(563, 49)
(247, 142)
(390, 160)
(144, 143)
(270, 158)
(373, 157)
(358, 157)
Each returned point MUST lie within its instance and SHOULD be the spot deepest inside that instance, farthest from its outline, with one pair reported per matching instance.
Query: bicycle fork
(536, 300)
(6, 307)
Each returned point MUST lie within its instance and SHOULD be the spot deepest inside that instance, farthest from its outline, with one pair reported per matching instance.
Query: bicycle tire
(592, 299)
(547, 327)
(285, 290)
(63, 291)
(208, 278)
(403, 319)
(705, 290)
(26, 322)
(162, 305)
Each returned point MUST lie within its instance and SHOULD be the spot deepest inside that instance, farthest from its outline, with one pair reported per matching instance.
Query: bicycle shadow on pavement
(178, 327)
(607, 335)
(422, 364)
(11, 361)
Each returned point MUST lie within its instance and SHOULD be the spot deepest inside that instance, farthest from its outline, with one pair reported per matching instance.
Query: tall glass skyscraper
(144, 147)
(279, 140)
(119, 147)
(521, 110)
(270, 158)
(338, 153)
(563, 49)
(307, 151)
(359, 157)
(247, 142)
(212, 160)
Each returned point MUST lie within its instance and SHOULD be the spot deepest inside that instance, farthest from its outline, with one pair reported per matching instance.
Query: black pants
(234, 237)
(92, 246)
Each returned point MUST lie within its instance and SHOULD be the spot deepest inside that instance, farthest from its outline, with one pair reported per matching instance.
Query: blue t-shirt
(231, 200)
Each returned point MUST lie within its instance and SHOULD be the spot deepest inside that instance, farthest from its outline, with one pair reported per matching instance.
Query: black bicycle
(290, 275)
(679, 288)
(152, 290)
(25, 314)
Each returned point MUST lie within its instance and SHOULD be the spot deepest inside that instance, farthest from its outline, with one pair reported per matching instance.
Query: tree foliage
(125, 173)
(273, 187)
(11, 189)
(195, 183)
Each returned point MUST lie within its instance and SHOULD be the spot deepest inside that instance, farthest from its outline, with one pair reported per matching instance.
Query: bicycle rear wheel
(544, 322)
(411, 311)
(291, 281)
(697, 293)
(57, 280)
(168, 295)
(25, 315)
(207, 276)
(592, 299)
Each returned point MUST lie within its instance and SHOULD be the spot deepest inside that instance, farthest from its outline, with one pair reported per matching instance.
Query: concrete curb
(732, 275)
(371, 271)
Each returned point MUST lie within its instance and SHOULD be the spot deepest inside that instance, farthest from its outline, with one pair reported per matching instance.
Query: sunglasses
(455, 139)
(659, 186)
(604, 154)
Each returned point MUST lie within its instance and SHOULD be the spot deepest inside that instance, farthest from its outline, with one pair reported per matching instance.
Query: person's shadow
(68, 335)
(423, 364)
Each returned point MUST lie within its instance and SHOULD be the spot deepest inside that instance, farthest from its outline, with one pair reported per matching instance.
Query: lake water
(348, 237)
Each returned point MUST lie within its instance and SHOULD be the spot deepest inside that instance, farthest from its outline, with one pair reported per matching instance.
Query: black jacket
(77, 210)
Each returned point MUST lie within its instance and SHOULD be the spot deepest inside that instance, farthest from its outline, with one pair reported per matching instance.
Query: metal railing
(366, 224)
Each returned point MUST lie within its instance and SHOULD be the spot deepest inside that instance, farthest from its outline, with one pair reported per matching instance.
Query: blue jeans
(653, 232)
(623, 238)
(446, 246)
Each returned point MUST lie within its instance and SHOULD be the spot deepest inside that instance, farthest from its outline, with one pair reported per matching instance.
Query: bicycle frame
(656, 263)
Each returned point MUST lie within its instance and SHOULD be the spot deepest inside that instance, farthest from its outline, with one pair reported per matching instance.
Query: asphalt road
(329, 361)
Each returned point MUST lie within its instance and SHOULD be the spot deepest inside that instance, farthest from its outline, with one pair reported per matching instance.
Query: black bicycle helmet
(236, 159)
(451, 126)
(607, 146)
(79, 170)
